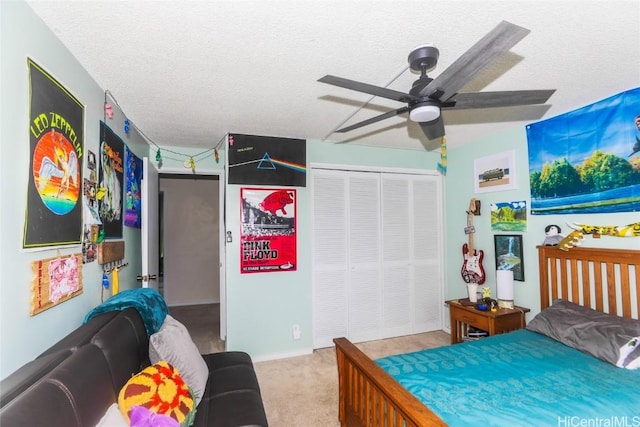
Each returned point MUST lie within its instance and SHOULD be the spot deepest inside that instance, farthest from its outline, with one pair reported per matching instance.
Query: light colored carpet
(298, 391)
(303, 391)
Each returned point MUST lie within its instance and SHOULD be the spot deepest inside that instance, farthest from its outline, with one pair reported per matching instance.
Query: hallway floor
(203, 323)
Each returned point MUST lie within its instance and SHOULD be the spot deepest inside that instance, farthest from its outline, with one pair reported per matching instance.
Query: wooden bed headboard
(606, 280)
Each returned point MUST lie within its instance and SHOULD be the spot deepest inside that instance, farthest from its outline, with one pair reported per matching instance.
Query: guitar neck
(470, 224)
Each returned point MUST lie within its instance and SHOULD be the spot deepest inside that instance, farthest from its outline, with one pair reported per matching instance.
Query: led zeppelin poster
(56, 139)
(268, 230)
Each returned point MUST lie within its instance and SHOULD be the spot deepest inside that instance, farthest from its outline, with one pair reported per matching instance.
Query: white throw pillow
(173, 344)
(113, 418)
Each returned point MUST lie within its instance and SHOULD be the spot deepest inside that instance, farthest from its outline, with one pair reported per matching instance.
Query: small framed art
(495, 173)
(508, 250)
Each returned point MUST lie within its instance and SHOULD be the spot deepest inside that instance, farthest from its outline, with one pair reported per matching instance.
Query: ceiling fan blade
(499, 40)
(433, 129)
(375, 119)
(367, 88)
(498, 99)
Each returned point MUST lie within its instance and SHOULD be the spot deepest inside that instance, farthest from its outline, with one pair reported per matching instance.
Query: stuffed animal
(553, 236)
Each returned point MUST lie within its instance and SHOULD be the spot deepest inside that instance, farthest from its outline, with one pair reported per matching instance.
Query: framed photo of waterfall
(508, 250)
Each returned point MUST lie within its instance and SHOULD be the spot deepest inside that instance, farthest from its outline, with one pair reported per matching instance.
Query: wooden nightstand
(503, 320)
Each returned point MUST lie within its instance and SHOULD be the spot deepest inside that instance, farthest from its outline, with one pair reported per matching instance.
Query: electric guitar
(472, 270)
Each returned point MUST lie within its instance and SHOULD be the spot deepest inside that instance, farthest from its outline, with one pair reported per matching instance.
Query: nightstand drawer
(493, 322)
(474, 319)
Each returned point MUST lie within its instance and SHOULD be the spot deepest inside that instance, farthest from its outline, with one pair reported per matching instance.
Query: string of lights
(189, 160)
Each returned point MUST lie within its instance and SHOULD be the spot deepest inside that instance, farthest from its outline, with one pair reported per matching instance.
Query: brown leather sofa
(73, 383)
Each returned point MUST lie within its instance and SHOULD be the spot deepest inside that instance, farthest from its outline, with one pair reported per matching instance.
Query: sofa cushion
(76, 393)
(236, 408)
(161, 389)
(239, 377)
(81, 335)
(173, 344)
(120, 341)
(27, 375)
(232, 396)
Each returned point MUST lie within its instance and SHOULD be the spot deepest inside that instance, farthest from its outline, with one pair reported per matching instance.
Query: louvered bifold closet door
(330, 257)
(365, 291)
(427, 247)
(396, 255)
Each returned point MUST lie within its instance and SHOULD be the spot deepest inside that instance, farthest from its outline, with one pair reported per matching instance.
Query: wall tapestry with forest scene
(587, 160)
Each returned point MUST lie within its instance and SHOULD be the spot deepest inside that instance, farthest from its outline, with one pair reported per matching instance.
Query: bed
(543, 375)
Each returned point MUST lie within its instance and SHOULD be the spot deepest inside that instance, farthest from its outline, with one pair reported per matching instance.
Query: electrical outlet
(295, 330)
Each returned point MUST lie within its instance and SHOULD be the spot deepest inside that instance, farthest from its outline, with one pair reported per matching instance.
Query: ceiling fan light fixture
(425, 112)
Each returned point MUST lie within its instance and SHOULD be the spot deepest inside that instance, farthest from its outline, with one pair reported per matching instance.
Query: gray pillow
(605, 336)
(173, 344)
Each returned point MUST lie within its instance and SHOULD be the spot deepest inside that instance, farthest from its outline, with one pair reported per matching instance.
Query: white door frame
(150, 247)
(221, 237)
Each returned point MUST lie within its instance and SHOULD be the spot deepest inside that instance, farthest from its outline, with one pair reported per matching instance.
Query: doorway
(191, 248)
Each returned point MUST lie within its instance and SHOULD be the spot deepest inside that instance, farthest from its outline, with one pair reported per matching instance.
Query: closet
(377, 254)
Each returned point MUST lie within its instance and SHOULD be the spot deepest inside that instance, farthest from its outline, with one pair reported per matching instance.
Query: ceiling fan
(428, 96)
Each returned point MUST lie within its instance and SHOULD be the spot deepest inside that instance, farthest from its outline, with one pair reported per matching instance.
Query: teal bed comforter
(518, 379)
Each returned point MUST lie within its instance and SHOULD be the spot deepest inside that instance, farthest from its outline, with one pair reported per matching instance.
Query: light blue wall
(263, 307)
(23, 337)
(460, 189)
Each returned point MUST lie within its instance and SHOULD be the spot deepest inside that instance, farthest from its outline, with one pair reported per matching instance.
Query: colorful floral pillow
(161, 389)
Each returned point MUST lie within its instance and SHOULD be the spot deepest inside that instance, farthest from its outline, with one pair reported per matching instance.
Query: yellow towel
(114, 282)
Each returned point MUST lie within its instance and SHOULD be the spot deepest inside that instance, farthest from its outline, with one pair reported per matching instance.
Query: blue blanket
(518, 379)
(149, 303)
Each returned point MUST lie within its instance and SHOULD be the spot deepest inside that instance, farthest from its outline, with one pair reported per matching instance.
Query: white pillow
(113, 418)
(173, 344)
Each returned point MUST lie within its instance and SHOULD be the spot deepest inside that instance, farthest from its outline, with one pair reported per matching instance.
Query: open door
(150, 226)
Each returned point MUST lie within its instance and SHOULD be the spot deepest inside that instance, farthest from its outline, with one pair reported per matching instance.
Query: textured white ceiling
(188, 72)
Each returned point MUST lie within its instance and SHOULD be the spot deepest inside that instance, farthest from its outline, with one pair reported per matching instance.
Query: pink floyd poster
(56, 139)
(110, 181)
(132, 195)
(267, 160)
(268, 230)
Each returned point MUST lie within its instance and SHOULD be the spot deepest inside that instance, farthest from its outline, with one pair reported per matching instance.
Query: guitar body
(472, 270)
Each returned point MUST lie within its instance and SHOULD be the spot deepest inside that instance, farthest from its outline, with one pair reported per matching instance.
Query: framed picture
(268, 230)
(495, 173)
(508, 250)
(267, 160)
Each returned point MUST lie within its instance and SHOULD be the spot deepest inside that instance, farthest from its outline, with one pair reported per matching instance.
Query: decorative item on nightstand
(472, 291)
(504, 283)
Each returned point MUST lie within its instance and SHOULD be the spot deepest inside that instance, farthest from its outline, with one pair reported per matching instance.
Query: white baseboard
(199, 302)
(268, 357)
